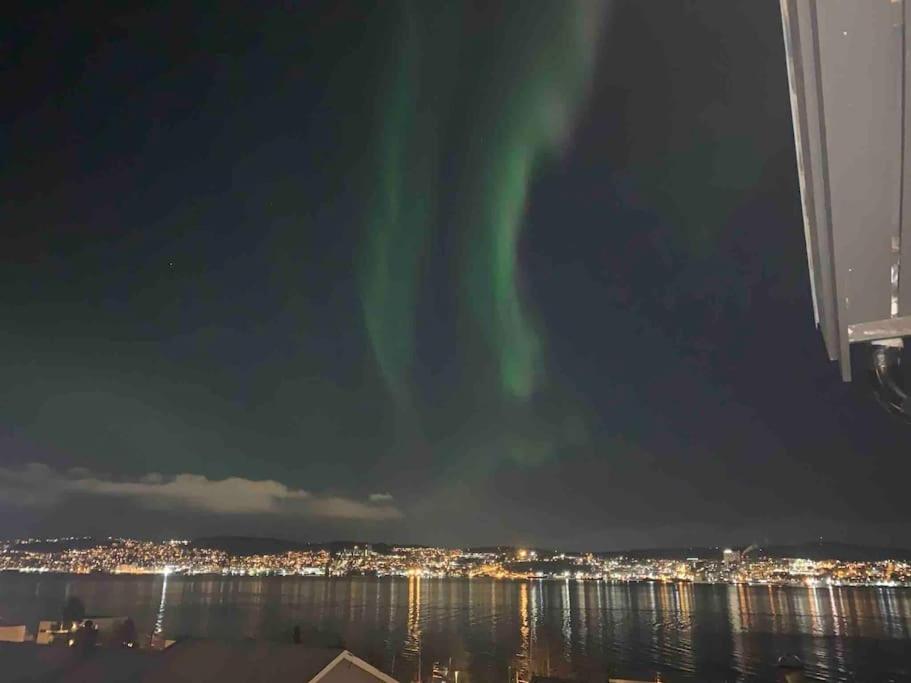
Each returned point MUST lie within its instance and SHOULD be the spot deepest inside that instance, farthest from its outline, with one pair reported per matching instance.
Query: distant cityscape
(749, 565)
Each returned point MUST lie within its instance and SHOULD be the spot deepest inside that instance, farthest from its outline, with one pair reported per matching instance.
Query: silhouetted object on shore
(86, 637)
(312, 636)
(125, 635)
(73, 609)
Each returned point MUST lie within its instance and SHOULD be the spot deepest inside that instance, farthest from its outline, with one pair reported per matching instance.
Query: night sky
(460, 273)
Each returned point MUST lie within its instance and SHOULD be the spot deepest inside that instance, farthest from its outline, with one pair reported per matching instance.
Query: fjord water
(492, 629)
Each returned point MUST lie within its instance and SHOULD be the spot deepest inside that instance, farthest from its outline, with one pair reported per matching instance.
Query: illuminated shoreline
(132, 557)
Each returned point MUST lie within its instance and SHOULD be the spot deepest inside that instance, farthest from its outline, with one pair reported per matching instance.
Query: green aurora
(519, 85)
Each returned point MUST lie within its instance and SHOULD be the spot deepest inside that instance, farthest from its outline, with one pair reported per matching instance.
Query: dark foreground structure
(851, 103)
(196, 661)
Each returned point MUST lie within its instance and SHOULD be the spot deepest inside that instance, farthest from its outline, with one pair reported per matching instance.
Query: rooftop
(199, 661)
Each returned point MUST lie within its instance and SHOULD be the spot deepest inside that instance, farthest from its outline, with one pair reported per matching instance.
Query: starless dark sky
(430, 272)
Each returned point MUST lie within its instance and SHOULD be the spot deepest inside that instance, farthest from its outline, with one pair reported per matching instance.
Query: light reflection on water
(500, 630)
(158, 629)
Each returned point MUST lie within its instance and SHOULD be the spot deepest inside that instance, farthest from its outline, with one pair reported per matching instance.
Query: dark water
(493, 628)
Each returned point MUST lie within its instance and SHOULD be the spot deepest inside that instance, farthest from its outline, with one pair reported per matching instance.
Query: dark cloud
(38, 484)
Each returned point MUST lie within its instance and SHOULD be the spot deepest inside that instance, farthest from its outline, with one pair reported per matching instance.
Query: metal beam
(880, 329)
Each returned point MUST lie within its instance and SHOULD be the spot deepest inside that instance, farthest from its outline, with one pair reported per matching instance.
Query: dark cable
(888, 381)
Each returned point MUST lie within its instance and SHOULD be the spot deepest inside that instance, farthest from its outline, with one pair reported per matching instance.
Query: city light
(181, 557)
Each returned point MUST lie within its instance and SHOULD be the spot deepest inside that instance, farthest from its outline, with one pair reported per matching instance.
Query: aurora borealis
(508, 272)
(537, 69)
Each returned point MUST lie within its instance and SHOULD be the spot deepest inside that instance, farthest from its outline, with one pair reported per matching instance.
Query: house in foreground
(196, 661)
(14, 633)
(110, 630)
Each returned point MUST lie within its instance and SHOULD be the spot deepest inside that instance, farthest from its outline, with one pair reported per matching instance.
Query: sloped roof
(247, 661)
(28, 663)
(199, 661)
